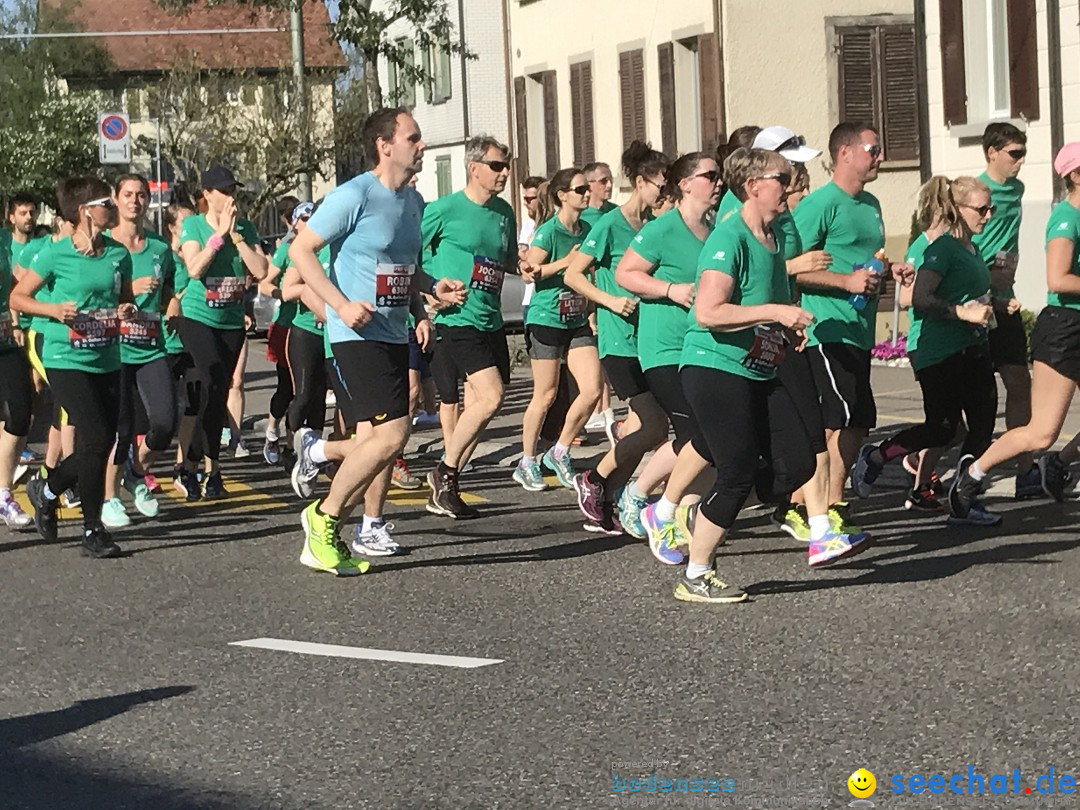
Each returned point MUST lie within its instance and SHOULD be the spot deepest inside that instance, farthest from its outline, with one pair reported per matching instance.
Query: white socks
(819, 526)
(559, 450)
(695, 571)
(975, 473)
(317, 453)
(371, 522)
(665, 509)
(273, 430)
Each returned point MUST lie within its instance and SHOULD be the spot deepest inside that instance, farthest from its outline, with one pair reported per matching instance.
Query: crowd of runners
(731, 307)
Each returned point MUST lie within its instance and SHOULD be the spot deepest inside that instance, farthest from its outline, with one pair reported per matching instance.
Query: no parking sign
(114, 138)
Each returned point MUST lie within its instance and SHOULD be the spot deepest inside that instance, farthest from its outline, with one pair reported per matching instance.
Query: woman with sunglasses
(220, 250)
(145, 371)
(89, 276)
(659, 267)
(953, 314)
(616, 319)
(1055, 354)
(558, 329)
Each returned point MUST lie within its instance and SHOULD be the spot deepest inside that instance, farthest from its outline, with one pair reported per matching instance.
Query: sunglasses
(872, 149)
(304, 218)
(496, 165)
(982, 210)
(791, 143)
(783, 177)
(1017, 154)
(659, 186)
(713, 175)
(579, 190)
(533, 198)
(105, 202)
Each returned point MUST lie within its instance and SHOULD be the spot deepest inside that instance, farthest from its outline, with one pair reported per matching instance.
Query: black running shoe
(44, 508)
(445, 499)
(213, 486)
(1053, 476)
(964, 490)
(98, 543)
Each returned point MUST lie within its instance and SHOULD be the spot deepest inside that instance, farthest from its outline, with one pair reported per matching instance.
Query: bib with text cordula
(94, 329)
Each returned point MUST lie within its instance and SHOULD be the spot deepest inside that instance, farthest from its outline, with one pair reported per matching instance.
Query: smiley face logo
(862, 784)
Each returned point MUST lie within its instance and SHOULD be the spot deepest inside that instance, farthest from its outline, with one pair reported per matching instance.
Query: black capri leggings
(16, 392)
(667, 389)
(962, 383)
(153, 384)
(92, 404)
(759, 421)
(307, 364)
(214, 353)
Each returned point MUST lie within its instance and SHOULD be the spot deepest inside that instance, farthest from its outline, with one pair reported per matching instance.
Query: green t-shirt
(305, 318)
(1065, 224)
(173, 344)
(592, 215)
(93, 283)
(673, 250)
(760, 278)
(217, 299)
(474, 244)
(964, 277)
(7, 334)
(553, 303)
(141, 338)
(914, 257)
(286, 311)
(852, 231)
(784, 225)
(21, 256)
(999, 242)
(606, 243)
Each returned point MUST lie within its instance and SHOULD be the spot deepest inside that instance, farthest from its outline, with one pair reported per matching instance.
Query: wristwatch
(236, 238)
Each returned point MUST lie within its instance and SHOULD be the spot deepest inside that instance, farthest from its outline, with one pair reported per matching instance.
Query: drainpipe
(718, 29)
(925, 158)
(464, 78)
(510, 132)
(1057, 118)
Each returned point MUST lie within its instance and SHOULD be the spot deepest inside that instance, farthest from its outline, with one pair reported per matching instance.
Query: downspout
(464, 77)
(922, 88)
(721, 107)
(510, 132)
(1057, 117)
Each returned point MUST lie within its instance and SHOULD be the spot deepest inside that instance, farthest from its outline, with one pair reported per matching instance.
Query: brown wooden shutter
(632, 90)
(582, 110)
(953, 72)
(857, 70)
(899, 86)
(665, 55)
(521, 123)
(551, 120)
(1023, 59)
(711, 80)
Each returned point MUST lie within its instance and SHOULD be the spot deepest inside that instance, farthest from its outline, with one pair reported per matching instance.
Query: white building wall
(959, 151)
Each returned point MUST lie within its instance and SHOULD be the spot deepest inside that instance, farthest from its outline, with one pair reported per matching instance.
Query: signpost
(114, 138)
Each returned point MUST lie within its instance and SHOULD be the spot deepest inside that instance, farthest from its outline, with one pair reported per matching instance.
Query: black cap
(218, 177)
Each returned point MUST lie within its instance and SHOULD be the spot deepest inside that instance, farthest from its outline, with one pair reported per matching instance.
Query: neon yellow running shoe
(324, 549)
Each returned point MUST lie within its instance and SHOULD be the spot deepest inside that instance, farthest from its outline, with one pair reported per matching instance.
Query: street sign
(114, 138)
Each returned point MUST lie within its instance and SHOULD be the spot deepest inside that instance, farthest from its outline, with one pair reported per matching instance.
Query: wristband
(434, 284)
(215, 243)
(667, 292)
(237, 238)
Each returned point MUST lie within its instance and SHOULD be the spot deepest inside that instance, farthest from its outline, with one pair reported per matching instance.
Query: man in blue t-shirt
(372, 225)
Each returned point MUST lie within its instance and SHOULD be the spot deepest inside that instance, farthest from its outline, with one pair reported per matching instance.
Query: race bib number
(571, 306)
(94, 329)
(224, 291)
(142, 330)
(1003, 270)
(487, 275)
(767, 352)
(392, 284)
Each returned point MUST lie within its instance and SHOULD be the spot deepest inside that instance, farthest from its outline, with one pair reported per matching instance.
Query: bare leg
(545, 386)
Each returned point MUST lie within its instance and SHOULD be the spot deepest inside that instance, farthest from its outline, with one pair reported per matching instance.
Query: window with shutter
(1023, 59)
(551, 120)
(632, 95)
(711, 83)
(876, 84)
(953, 61)
(665, 54)
(582, 113)
(521, 126)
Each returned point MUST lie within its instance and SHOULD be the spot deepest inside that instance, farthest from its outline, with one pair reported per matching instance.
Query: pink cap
(1068, 159)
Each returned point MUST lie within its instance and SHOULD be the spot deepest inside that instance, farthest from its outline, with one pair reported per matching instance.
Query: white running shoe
(375, 542)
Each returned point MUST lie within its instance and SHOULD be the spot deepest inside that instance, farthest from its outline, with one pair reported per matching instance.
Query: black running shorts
(374, 377)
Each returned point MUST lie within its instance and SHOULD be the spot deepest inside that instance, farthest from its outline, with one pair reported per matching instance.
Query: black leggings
(153, 383)
(962, 383)
(283, 394)
(214, 353)
(744, 421)
(16, 392)
(92, 404)
(307, 363)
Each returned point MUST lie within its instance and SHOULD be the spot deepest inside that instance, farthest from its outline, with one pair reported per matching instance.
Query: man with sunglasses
(1005, 148)
(844, 220)
(470, 236)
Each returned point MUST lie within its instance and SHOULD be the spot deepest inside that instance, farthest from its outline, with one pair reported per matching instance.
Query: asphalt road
(937, 650)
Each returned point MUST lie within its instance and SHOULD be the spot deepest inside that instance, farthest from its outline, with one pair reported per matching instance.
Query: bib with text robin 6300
(767, 352)
(94, 329)
(487, 275)
(392, 284)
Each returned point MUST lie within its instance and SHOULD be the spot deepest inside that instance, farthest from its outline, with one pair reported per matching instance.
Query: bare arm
(536, 257)
(1059, 259)
(22, 300)
(713, 310)
(253, 258)
(197, 259)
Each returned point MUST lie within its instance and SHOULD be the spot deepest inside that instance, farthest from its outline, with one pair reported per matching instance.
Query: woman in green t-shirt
(592, 273)
(220, 250)
(145, 371)
(1055, 354)
(557, 329)
(952, 314)
(89, 278)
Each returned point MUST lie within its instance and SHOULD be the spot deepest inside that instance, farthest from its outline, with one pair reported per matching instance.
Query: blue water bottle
(876, 266)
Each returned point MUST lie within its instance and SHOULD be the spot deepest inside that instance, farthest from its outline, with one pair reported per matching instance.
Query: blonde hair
(745, 164)
(940, 200)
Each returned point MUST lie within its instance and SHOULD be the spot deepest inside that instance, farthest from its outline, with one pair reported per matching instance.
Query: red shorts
(275, 344)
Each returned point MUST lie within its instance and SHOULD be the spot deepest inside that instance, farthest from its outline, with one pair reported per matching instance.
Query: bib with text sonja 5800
(767, 352)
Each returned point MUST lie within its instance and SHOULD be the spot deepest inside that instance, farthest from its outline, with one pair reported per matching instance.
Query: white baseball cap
(787, 143)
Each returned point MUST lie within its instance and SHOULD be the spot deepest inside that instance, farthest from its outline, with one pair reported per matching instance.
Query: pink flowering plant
(887, 350)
